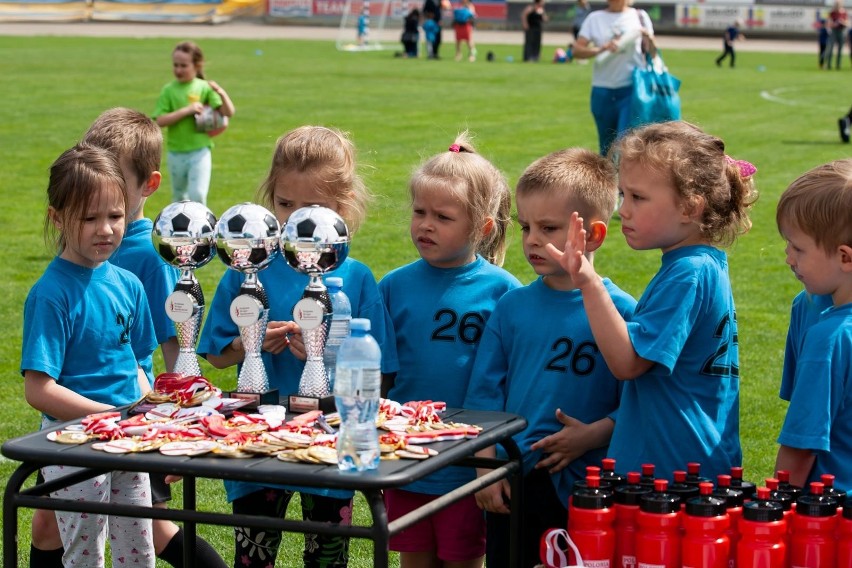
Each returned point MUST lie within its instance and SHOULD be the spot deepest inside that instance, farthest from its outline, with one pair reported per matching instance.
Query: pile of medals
(187, 422)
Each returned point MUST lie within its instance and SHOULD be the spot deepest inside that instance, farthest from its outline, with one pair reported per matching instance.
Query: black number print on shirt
(468, 329)
(124, 322)
(581, 359)
(717, 365)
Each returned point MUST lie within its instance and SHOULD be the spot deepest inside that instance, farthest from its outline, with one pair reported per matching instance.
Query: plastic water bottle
(356, 394)
(659, 521)
(705, 521)
(844, 537)
(626, 507)
(763, 532)
(590, 523)
(341, 315)
(813, 543)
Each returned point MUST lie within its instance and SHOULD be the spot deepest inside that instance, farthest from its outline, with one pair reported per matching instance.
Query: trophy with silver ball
(247, 240)
(315, 240)
(184, 236)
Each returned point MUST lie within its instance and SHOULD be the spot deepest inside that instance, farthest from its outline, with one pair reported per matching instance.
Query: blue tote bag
(655, 93)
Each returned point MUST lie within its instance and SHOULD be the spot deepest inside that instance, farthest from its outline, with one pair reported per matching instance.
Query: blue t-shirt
(538, 354)
(462, 15)
(431, 29)
(803, 314)
(88, 329)
(439, 315)
(284, 287)
(137, 254)
(686, 407)
(819, 416)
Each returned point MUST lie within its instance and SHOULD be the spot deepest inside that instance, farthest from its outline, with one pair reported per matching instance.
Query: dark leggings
(259, 547)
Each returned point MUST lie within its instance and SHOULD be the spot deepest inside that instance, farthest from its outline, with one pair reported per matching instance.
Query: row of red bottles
(630, 525)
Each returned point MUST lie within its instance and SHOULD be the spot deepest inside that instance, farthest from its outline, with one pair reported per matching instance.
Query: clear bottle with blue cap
(341, 316)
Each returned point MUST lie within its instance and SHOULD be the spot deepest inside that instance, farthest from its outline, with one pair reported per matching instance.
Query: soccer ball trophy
(247, 240)
(315, 240)
(184, 236)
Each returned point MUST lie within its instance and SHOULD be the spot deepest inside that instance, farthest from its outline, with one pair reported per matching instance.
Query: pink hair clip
(747, 169)
(455, 148)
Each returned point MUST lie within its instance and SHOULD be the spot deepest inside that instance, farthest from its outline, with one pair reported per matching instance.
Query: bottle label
(628, 561)
(647, 565)
(596, 563)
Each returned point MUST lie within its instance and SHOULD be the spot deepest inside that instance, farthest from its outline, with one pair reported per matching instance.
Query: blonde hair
(131, 135)
(77, 177)
(586, 177)
(479, 185)
(819, 203)
(328, 155)
(698, 168)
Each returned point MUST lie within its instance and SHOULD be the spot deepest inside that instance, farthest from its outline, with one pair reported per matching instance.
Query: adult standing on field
(612, 36)
(838, 21)
(433, 9)
(532, 19)
(581, 10)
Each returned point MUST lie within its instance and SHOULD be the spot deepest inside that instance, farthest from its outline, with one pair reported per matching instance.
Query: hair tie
(746, 169)
(455, 148)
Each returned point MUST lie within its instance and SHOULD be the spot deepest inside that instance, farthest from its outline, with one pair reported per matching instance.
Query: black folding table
(35, 451)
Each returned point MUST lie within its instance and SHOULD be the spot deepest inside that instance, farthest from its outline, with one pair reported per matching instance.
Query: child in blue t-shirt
(538, 357)
(311, 165)
(87, 329)
(439, 305)
(814, 216)
(678, 352)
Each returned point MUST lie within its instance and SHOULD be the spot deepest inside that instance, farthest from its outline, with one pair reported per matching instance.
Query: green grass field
(399, 112)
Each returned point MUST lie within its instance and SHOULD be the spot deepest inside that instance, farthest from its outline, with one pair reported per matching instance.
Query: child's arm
(575, 439)
(142, 379)
(798, 462)
(608, 325)
(491, 498)
(43, 393)
(172, 117)
(227, 108)
(170, 350)
(279, 336)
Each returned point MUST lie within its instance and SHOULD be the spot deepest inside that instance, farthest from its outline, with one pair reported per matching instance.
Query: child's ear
(595, 235)
(55, 218)
(152, 184)
(845, 258)
(693, 207)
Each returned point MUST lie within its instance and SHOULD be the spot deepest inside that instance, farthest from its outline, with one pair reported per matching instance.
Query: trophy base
(299, 404)
(255, 399)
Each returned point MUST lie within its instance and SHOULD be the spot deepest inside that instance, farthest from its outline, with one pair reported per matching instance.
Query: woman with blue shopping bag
(614, 38)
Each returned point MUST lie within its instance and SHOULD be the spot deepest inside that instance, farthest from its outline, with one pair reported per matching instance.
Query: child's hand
(215, 86)
(194, 108)
(574, 260)
(277, 337)
(564, 446)
(491, 498)
(297, 345)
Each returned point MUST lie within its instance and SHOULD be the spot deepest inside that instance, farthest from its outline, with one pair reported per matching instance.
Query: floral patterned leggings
(258, 548)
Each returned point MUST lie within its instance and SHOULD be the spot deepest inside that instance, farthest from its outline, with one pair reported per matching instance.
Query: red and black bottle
(590, 524)
(659, 519)
(813, 541)
(626, 506)
(763, 533)
(705, 521)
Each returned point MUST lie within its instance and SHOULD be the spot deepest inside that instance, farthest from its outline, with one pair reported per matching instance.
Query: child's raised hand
(573, 259)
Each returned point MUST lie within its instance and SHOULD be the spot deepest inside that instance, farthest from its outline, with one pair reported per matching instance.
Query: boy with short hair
(814, 216)
(538, 357)
(137, 141)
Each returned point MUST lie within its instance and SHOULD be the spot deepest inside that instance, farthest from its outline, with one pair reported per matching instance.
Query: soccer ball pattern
(184, 234)
(315, 240)
(247, 237)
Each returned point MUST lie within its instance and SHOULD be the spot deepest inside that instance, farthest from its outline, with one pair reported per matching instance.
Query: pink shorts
(456, 533)
(463, 31)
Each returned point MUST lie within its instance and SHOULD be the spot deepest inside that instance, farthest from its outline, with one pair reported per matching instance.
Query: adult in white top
(613, 37)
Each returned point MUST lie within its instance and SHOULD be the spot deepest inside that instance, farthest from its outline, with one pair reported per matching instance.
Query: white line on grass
(774, 96)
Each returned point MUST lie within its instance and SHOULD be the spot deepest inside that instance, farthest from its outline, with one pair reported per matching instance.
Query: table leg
(516, 485)
(10, 513)
(189, 528)
(379, 533)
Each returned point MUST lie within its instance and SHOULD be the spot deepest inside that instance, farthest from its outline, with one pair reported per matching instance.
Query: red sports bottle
(626, 507)
(831, 491)
(608, 474)
(786, 501)
(734, 503)
(682, 489)
(647, 478)
(590, 524)
(747, 487)
(658, 537)
(693, 474)
(763, 533)
(784, 485)
(705, 521)
(813, 544)
(844, 538)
